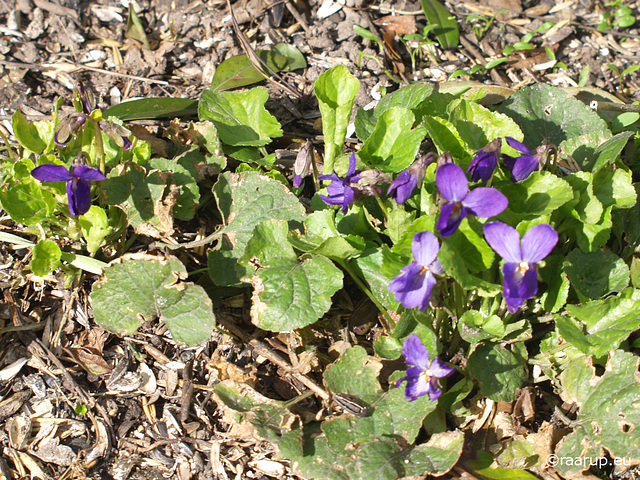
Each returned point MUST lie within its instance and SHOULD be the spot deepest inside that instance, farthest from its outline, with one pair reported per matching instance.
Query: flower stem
(363, 286)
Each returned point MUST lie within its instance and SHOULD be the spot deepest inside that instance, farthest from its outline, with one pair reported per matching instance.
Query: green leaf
(447, 32)
(182, 170)
(369, 265)
(88, 264)
(540, 194)
(29, 203)
(475, 327)
(135, 30)
(601, 325)
(240, 117)
(478, 125)
(596, 274)
(153, 108)
(238, 71)
(460, 255)
(143, 198)
(446, 138)
(500, 369)
(27, 133)
(437, 456)
(95, 227)
(609, 151)
(413, 97)
(45, 257)
(391, 413)
(140, 287)
(321, 237)
(393, 145)
(336, 90)
(548, 114)
(614, 188)
(555, 295)
(245, 200)
(290, 294)
(608, 418)
(481, 468)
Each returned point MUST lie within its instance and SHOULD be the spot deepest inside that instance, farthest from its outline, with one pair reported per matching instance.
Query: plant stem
(345, 265)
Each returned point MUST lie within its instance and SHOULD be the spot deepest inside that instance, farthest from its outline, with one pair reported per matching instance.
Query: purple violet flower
(78, 180)
(340, 190)
(422, 376)
(521, 257)
(404, 185)
(412, 287)
(482, 202)
(522, 166)
(485, 161)
(67, 127)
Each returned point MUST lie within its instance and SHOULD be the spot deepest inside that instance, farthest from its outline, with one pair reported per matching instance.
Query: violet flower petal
(412, 287)
(451, 215)
(517, 145)
(538, 242)
(483, 165)
(523, 167)
(505, 240)
(79, 195)
(439, 369)
(51, 173)
(425, 248)
(485, 202)
(402, 187)
(88, 173)
(452, 182)
(520, 283)
(415, 352)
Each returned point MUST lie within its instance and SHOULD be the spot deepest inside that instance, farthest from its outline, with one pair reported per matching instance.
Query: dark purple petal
(415, 353)
(332, 200)
(297, 181)
(523, 167)
(485, 202)
(88, 173)
(509, 162)
(126, 143)
(434, 392)
(349, 195)
(412, 287)
(483, 165)
(79, 195)
(333, 176)
(452, 182)
(520, 283)
(51, 173)
(425, 248)
(352, 166)
(402, 187)
(517, 145)
(505, 240)
(438, 369)
(538, 242)
(451, 215)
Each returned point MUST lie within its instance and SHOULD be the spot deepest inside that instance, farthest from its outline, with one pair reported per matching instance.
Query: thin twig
(257, 62)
